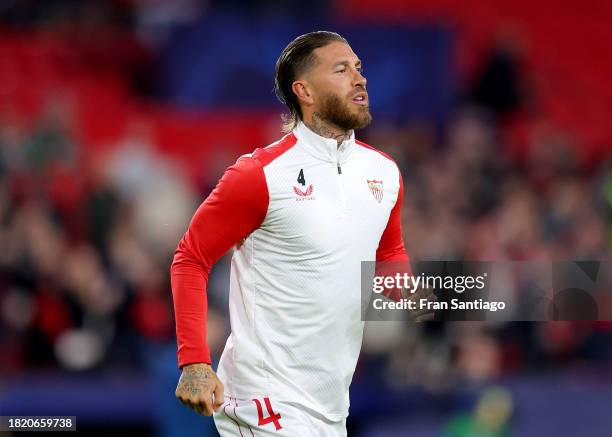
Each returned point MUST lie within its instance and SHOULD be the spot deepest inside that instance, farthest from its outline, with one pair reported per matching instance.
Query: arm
(391, 254)
(391, 250)
(391, 245)
(236, 207)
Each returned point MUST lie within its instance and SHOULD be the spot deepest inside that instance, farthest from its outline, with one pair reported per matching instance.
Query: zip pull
(339, 169)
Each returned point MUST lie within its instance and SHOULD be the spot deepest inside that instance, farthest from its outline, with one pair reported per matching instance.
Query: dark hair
(293, 61)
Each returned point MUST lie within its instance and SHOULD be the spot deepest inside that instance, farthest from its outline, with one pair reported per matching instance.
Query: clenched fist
(200, 389)
(423, 313)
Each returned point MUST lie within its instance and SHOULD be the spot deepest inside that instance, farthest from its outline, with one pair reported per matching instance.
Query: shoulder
(381, 158)
(263, 156)
(375, 151)
(249, 168)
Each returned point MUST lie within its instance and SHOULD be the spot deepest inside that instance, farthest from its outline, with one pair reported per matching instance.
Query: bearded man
(303, 213)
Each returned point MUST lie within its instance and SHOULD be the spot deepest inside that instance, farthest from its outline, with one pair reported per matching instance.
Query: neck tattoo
(323, 128)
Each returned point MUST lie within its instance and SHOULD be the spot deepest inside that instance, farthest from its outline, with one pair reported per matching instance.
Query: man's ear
(302, 91)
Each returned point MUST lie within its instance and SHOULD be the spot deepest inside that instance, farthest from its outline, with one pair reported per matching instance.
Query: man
(303, 213)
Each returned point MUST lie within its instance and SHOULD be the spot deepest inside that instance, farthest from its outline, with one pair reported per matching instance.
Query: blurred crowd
(468, 198)
(85, 247)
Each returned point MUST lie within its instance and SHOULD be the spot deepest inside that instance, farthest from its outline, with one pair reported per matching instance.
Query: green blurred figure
(491, 417)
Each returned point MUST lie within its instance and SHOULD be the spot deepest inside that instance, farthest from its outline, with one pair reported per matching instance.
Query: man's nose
(359, 79)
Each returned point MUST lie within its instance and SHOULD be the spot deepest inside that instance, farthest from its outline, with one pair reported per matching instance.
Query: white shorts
(268, 417)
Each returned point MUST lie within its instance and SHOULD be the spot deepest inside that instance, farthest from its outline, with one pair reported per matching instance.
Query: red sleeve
(391, 245)
(236, 207)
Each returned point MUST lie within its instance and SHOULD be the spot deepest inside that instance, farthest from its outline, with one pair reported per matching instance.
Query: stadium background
(118, 117)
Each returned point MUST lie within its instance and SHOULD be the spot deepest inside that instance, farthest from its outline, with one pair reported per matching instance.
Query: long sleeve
(236, 207)
(391, 245)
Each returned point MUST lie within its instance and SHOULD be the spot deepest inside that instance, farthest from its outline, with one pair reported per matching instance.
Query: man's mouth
(361, 99)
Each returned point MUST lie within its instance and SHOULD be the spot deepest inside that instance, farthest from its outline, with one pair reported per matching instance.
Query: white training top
(304, 214)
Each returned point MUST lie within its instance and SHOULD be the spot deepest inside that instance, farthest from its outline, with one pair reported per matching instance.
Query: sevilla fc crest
(376, 188)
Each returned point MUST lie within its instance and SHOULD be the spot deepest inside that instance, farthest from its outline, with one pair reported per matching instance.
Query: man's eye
(341, 71)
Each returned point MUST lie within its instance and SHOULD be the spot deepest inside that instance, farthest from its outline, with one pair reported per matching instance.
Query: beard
(338, 112)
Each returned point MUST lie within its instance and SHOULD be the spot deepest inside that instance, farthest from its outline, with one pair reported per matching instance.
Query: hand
(200, 389)
(426, 314)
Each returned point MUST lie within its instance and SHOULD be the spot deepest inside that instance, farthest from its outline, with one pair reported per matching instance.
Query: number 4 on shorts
(272, 416)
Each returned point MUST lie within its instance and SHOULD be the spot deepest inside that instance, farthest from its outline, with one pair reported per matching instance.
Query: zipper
(341, 188)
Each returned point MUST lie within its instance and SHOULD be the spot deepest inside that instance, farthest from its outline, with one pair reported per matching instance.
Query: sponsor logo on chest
(303, 193)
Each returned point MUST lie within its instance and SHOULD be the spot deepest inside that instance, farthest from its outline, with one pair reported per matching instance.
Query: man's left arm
(391, 245)
(391, 249)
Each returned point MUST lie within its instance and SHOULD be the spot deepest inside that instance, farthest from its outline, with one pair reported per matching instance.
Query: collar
(326, 149)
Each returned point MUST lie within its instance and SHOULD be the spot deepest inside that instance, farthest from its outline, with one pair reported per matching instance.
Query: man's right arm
(236, 207)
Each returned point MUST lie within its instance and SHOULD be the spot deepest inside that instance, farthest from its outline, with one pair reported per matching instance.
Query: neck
(326, 129)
